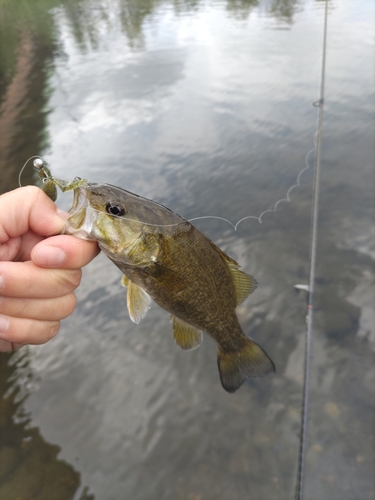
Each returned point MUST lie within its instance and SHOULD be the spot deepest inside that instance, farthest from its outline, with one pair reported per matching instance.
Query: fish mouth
(81, 218)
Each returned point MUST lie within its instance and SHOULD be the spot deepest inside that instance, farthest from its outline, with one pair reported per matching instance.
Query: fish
(165, 259)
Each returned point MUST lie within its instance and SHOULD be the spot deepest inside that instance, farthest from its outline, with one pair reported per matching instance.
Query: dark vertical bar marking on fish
(313, 247)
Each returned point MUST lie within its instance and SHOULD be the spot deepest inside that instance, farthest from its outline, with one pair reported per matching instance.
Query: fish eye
(115, 209)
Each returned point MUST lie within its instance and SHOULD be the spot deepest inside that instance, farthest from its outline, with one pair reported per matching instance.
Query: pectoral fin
(124, 281)
(138, 300)
(186, 336)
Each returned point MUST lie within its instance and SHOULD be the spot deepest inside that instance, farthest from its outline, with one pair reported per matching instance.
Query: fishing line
(274, 209)
(310, 289)
(234, 226)
(23, 168)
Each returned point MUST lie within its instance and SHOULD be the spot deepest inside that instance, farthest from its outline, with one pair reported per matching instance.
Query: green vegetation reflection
(30, 468)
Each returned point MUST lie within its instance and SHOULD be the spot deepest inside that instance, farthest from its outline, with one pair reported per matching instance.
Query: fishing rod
(311, 286)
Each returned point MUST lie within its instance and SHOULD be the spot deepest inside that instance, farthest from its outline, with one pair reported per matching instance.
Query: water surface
(207, 108)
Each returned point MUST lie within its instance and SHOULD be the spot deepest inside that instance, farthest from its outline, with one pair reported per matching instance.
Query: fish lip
(81, 216)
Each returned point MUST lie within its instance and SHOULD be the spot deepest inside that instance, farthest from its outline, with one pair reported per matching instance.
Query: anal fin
(186, 336)
(138, 301)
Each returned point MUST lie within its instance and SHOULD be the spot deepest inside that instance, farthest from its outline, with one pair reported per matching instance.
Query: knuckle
(69, 305)
(72, 278)
(29, 331)
(52, 330)
(21, 306)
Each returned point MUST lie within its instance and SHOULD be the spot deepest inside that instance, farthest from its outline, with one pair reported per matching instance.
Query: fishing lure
(44, 173)
(49, 182)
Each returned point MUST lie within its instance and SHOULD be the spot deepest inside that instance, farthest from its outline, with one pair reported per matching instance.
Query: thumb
(64, 252)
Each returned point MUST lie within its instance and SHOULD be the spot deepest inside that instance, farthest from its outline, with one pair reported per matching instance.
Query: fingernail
(4, 324)
(49, 256)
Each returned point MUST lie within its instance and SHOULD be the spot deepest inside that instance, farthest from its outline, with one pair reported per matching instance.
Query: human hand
(38, 271)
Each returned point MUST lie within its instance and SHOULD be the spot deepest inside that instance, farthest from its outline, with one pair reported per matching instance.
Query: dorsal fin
(186, 336)
(138, 301)
(244, 284)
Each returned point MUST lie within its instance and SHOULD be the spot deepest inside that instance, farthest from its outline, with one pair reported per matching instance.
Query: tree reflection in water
(29, 468)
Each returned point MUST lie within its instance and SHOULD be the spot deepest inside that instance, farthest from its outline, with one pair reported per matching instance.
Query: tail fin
(236, 366)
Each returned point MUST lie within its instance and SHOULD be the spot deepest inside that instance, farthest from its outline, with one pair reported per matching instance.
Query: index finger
(28, 208)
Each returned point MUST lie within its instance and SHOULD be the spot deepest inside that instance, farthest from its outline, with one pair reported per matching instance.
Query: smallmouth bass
(166, 259)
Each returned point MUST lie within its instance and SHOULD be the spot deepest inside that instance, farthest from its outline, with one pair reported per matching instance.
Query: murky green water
(205, 107)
